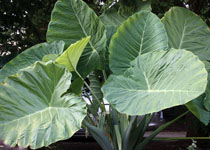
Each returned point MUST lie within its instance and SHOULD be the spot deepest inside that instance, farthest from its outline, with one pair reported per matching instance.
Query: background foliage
(29, 27)
(24, 23)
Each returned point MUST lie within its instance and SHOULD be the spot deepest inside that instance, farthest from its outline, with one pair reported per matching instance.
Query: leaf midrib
(182, 37)
(159, 91)
(91, 45)
(28, 115)
(142, 37)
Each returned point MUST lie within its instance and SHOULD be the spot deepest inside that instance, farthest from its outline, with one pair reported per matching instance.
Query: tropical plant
(146, 66)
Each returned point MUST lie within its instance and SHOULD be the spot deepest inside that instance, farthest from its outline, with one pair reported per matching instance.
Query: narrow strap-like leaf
(157, 131)
(99, 136)
(126, 138)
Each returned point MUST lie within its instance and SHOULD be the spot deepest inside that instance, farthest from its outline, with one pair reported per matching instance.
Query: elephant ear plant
(41, 96)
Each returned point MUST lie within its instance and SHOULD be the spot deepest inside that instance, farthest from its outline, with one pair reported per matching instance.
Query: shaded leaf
(76, 86)
(95, 85)
(197, 108)
(143, 5)
(207, 65)
(200, 106)
(187, 30)
(115, 17)
(110, 32)
(72, 20)
(111, 17)
(207, 96)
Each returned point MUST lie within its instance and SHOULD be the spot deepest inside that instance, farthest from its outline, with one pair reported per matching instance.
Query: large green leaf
(186, 30)
(141, 33)
(72, 20)
(34, 110)
(71, 56)
(157, 80)
(197, 108)
(29, 56)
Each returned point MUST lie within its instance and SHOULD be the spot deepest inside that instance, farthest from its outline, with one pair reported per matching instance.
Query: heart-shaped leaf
(141, 33)
(155, 81)
(186, 30)
(72, 20)
(34, 111)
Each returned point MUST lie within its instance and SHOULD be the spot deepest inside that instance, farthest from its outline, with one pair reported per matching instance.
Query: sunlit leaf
(156, 81)
(71, 56)
(34, 111)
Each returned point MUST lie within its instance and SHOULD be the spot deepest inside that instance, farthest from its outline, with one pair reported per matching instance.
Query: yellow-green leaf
(71, 56)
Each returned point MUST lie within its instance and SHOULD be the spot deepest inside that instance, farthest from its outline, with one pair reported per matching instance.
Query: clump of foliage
(137, 62)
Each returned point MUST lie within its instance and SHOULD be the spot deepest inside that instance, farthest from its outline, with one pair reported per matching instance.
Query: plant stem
(104, 74)
(101, 106)
(88, 97)
(90, 119)
(91, 91)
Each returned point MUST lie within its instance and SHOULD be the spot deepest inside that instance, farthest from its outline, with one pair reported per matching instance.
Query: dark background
(23, 23)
